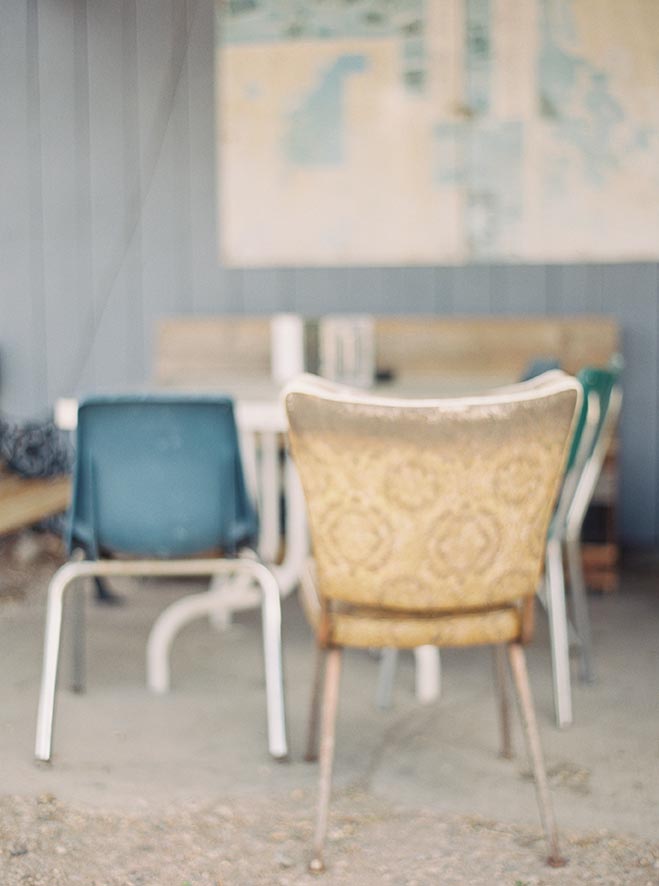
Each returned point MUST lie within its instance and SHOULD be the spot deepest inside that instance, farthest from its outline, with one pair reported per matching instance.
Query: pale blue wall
(107, 220)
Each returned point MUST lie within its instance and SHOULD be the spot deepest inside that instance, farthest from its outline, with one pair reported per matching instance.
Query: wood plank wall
(107, 221)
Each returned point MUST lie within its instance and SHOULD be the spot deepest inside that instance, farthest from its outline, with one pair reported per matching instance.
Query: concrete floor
(119, 747)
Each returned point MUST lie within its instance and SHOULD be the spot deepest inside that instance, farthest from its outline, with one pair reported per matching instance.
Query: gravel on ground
(46, 843)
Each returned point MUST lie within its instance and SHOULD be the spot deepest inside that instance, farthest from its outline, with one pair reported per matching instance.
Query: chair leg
(165, 628)
(311, 754)
(274, 677)
(558, 631)
(580, 606)
(220, 617)
(330, 705)
(193, 606)
(520, 676)
(427, 673)
(105, 595)
(53, 631)
(501, 681)
(79, 657)
(386, 674)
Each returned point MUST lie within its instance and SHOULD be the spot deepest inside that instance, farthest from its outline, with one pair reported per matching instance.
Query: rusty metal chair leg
(330, 704)
(311, 753)
(501, 681)
(520, 676)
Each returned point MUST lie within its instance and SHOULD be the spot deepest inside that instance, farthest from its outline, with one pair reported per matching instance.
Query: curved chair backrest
(158, 476)
(604, 383)
(603, 393)
(599, 412)
(430, 504)
(600, 405)
(584, 431)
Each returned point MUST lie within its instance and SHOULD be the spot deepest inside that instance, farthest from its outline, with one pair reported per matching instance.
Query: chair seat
(367, 627)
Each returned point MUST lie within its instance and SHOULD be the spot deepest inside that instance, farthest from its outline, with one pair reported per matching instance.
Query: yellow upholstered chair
(428, 522)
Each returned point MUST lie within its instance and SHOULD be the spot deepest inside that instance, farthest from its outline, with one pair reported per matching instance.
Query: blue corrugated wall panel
(107, 214)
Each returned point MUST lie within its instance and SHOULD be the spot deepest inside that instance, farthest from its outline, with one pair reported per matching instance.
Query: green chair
(594, 428)
(555, 589)
(158, 482)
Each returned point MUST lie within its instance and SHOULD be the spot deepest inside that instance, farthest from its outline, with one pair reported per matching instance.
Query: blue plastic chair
(159, 479)
(158, 476)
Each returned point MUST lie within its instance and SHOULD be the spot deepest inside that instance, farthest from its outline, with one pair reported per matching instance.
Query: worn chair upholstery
(428, 521)
(158, 482)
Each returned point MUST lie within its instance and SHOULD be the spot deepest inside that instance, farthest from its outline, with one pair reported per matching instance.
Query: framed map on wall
(400, 132)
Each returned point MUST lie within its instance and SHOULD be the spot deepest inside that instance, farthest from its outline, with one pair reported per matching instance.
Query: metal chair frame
(244, 570)
(67, 574)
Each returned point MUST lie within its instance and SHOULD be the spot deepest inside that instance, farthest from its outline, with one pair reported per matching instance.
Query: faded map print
(379, 132)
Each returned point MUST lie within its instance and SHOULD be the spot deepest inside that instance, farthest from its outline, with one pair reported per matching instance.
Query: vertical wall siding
(111, 139)
(18, 379)
(107, 221)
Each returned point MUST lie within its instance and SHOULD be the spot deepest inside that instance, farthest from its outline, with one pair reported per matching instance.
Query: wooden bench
(496, 347)
(25, 501)
(204, 350)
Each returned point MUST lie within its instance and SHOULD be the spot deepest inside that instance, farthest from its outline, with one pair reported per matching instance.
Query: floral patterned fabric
(430, 507)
